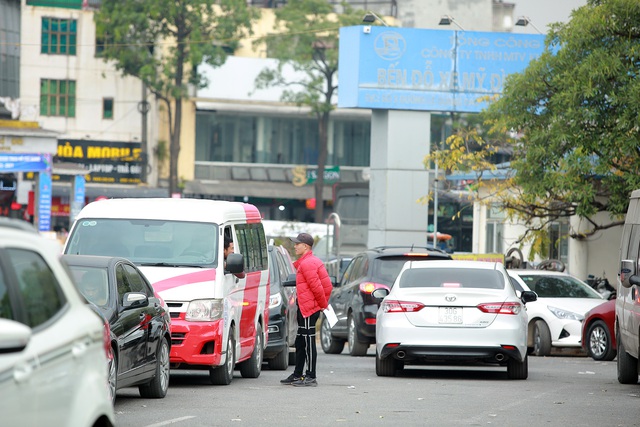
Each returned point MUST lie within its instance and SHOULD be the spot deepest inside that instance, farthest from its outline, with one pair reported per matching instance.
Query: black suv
(352, 301)
(283, 324)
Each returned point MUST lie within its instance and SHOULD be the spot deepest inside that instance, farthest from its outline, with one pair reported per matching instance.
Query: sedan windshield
(147, 242)
(558, 286)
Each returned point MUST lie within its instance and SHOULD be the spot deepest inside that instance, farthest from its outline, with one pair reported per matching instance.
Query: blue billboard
(428, 70)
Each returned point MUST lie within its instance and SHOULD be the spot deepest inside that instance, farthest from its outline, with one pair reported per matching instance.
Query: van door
(630, 318)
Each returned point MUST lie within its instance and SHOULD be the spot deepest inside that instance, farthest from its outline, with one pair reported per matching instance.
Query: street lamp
(370, 18)
(523, 21)
(448, 20)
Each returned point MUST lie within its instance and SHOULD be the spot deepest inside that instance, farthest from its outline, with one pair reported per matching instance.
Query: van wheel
(158, 386)
(251, 368)
(541, 339)
(627, 366)
(330, 345)
(222, 375)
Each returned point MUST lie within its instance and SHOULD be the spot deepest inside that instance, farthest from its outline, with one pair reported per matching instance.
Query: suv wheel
(330, 345)
(356, 348)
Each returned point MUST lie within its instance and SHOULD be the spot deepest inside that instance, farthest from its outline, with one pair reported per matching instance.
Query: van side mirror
(290, 280)
(235, 263)
(627, 270)
(334, 281)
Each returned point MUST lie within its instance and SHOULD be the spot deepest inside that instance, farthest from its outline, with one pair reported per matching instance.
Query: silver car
(53, 356)
(462, 311)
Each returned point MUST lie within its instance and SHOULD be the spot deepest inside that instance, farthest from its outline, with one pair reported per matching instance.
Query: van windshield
(147, 242)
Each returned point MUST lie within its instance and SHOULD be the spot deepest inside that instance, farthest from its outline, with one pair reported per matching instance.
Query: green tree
(305, 38)
(162, 42)
(575, 111)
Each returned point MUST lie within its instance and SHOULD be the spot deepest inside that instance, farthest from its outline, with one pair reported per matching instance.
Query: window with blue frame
(59, 36)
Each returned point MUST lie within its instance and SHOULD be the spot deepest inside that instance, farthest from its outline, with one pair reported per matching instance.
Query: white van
(219, 310)
(628, 295)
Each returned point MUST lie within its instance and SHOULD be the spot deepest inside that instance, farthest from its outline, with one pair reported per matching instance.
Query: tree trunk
(323, 124)
(174, 148)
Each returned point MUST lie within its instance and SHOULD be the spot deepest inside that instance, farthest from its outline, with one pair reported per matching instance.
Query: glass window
(122, 283)
(38, 286)
(6, 312)
(58, 98)
(59, 36)
(107, 108)
(451, 278)
(494, 243)
(136, 282)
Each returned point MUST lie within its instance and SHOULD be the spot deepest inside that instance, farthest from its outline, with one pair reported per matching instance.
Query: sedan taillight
(106, 336)
(500, 307)
(401, 306)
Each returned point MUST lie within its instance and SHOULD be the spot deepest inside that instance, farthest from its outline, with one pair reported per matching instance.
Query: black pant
(306, 345)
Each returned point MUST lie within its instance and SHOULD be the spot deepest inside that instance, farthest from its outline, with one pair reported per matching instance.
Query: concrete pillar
(578, 250)
(399, 142)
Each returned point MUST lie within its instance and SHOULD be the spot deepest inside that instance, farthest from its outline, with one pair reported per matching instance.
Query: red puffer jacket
(313, 284)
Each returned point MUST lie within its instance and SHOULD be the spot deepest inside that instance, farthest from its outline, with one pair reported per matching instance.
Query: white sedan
(461, 311)
(555, 319)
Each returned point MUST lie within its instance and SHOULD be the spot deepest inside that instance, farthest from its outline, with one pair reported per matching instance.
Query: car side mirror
(634, 280)
(14, 336)
(334, 281)
(134, 300)
(290, 280)
(235, 263)
(528, 296)
(380, 293)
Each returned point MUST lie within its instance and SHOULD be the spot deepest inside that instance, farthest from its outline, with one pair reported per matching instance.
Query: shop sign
(109, 162)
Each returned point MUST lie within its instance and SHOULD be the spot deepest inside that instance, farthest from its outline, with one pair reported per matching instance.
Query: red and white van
(218, 318)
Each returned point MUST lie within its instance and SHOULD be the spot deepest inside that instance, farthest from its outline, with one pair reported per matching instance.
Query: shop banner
(14, 162)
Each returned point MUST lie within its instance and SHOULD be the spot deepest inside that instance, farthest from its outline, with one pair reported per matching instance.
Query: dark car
(598, 339)
(283, 325)
(138, 319)
(352, 301)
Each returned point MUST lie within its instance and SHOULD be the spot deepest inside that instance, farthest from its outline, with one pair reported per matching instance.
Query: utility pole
(143, 108)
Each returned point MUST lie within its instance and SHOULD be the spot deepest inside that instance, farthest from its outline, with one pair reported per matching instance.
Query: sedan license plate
(450, 315)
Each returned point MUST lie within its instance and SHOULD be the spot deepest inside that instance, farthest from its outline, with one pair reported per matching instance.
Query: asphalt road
(561, 391)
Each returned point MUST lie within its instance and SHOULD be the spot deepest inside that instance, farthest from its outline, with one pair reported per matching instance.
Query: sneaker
(305, 382)
(291, 379)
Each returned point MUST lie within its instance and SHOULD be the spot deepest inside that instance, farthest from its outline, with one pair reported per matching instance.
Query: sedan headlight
(275, 300)
(204, 310)
(566, 315)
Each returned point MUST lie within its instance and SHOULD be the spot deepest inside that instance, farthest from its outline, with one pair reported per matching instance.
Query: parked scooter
(602, 285)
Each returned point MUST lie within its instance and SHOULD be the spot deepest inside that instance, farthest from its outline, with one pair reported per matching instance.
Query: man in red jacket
(313, 287)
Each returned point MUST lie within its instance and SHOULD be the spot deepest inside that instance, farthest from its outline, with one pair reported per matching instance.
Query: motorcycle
(602, 286)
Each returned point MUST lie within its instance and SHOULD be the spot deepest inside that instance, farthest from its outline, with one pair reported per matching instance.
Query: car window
(122, 283)
(92, 283)
(38, 286)
(5, 305)
(451, 278)
(558, 287)
(349, 273)
(517, 286)
(136, 282)
(386, 269)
